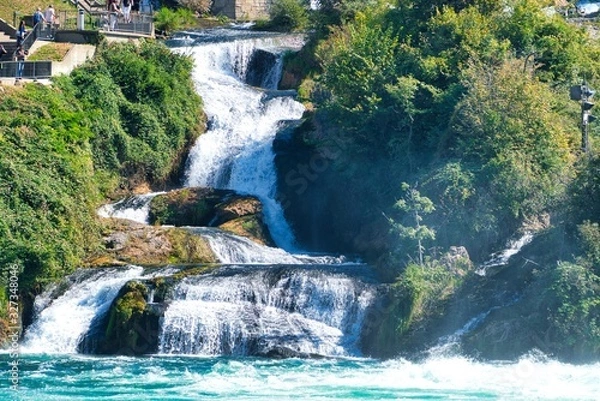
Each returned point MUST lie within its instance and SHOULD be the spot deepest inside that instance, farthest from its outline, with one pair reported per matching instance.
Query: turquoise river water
(76, 377)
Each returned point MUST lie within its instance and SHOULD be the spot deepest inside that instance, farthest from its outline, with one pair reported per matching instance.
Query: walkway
(75, 57)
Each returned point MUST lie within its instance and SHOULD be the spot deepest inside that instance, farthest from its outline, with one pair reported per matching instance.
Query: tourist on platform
(21, 33)
(50, 16)
(145, 7)
(20, 55)
(38, 19)
(113, 14)
(126, 9)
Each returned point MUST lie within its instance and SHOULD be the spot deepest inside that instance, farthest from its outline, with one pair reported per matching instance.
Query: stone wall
(242, 9)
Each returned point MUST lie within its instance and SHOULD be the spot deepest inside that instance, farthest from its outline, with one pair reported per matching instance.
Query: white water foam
(227, 379)
(233, 249)
(135, 208)
(258, 312)
(236, 152)
(61, 323)
(502, 257)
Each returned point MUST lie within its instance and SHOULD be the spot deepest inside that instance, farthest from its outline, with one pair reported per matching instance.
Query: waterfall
(233, 249)
(135, 208)
(274, 310)
(265, 300)
(62, 320)
(449, 344)
(502, 257)
(236, 152)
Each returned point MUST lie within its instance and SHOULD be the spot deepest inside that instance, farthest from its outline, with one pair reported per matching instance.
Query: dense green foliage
(168, 20)
(124, 118)
(286, 16)
(138, 98)
(47, 181)
(468, 101)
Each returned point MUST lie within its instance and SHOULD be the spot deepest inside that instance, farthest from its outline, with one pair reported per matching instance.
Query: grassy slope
(27, 7)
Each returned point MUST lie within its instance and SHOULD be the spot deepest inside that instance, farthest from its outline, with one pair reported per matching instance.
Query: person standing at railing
(50, 16)
(21, 33)
(113, 14)
(20, 55)
(126, 9)
(145, 7)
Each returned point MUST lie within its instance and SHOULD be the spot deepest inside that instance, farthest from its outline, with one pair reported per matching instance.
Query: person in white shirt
(50, 16)
(126, 9)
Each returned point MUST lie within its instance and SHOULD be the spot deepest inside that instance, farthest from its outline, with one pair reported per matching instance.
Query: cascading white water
(502, 257)
(296, 304)
(135, 208)
(258, 311)
(236, 151)
(62, 322)
(233, 249)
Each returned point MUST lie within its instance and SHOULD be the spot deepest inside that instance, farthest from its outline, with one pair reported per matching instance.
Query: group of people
(46, 19)
(124, 8)
(40, 19)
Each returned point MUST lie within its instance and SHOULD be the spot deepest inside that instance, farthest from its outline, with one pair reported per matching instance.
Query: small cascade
(501, 258)
(62, 319)
(271, 311)
(135, 208)
(236, 152)
(450, 344)
(233, 249)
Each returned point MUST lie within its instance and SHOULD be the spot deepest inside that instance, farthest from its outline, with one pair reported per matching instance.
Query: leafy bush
(168, 20)
(48, 190)
(142, 106)
(573, 303)
(426, 288)
(288, 15)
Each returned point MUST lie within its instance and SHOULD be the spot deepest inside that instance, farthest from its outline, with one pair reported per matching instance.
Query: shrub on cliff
(127, 115)
(47, 184)
(143, 109)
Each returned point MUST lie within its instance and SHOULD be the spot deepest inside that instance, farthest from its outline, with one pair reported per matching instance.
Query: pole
(584, 131)
(584, 118)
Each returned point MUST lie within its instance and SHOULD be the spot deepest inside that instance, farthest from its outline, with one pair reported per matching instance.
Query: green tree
(289, 15)
(509, 126)
(415, 206)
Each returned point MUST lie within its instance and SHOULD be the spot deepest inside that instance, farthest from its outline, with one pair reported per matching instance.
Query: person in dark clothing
(20, 56)
(21, 33)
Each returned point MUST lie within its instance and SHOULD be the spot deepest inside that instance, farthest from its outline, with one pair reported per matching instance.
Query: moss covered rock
(209, 207)
(134, 243)
(250, 227)
(132, 324)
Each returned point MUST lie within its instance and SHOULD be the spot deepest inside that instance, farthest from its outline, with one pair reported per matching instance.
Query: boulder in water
(135, 243)
(133, 324)
(209, 207)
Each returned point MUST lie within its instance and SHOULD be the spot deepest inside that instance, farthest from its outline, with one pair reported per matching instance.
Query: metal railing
(30, 69)
(141, 23)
